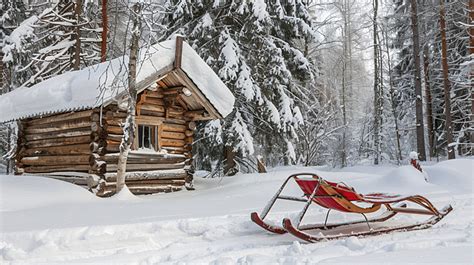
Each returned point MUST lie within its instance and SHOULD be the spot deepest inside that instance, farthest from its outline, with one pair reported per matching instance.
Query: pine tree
(44, 45)
(251, 46)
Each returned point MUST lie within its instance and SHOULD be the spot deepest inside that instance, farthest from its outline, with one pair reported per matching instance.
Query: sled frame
(297, 228)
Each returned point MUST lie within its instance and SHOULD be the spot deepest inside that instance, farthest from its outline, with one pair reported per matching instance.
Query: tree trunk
(229, 165)
(447, 85)
(376, 89)
(77, 47)
(129, 127)
(420, 135)
(393, 99)
(344, 87)
(429, 108)
(471, 74)
(105, 27)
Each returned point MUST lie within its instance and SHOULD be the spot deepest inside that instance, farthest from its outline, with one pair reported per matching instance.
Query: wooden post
(447, 85)
(105, 27)
(179, 52)
(420, 135)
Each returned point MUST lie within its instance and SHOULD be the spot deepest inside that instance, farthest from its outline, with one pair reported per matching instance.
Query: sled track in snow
(221, 240)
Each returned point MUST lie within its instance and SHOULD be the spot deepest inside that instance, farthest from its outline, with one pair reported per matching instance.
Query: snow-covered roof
(101, 84)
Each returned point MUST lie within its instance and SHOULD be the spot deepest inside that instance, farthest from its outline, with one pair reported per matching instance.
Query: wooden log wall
(146, 172)
(58, 143)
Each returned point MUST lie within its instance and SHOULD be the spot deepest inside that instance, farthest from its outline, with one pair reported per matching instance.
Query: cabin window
(147, 137)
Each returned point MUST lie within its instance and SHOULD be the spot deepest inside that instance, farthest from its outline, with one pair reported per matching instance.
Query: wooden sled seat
(341, 197)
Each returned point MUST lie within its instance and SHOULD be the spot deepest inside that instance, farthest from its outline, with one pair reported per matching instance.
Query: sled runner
(340, 197)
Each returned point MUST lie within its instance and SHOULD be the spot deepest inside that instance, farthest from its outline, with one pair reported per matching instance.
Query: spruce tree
(251, 45)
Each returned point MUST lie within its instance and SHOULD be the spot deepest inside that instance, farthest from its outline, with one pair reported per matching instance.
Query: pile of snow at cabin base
(46, 221)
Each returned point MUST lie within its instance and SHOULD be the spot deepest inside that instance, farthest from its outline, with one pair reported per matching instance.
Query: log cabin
(69, 126)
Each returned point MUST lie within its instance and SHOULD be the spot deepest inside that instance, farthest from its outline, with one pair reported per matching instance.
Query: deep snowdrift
(49, 221)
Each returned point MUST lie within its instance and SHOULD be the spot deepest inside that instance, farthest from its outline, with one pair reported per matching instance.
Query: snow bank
(24, 192)
(105, 82)
(402, 180)
(211, 225)
(454, 175)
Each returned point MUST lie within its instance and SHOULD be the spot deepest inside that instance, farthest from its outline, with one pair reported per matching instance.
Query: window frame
(155, 137)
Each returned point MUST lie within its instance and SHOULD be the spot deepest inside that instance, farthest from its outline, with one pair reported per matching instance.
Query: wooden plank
(59, 126)
(109, 189)
(151, 113)
(154, 94)
(50, 135)
(154, 101)
(55, 160)
(60, 117)
(149, 120)
(197, 94)
(148, 175)
(178, 52)
(113, 159)
(62, 168)
(145, 167)
(78, 149)
(173, 135)
(173, 127)
(114, 129)
(171, 142)
(59, 141)
(150, 107)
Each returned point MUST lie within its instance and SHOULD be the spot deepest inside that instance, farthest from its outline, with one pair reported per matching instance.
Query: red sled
(340, 197)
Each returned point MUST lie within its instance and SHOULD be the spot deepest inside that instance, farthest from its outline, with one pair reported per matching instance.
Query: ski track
(234, 239)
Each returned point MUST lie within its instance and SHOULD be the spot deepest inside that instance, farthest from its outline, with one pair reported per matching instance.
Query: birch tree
(129, 125)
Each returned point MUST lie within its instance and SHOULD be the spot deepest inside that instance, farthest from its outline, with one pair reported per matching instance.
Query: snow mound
(402, 180)
(125, 195)
(455, 175)
(24, 192)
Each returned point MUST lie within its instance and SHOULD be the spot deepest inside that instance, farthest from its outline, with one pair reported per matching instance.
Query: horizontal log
(154, 101)
(172, 182)
(59, 141)
(111, 115)
(145, 160)
(149, 120)
(150, 107)
(197, 114)
(173, 135)
(148, 175)
(173, 127)
(145, 167)
(51, 135)
(60, 117)
(55, 160)
(62, 168)
(109, 190)
(173, 143)
(171, 120)
(152, 113)
(114, 129)
(154, 94)
(115, 137)
(113, 148)
(59, 126)
(78, 149)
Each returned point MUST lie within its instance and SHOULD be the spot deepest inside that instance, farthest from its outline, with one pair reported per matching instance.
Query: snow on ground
(46, 221)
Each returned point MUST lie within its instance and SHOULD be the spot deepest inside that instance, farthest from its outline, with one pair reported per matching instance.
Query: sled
(340, 197)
